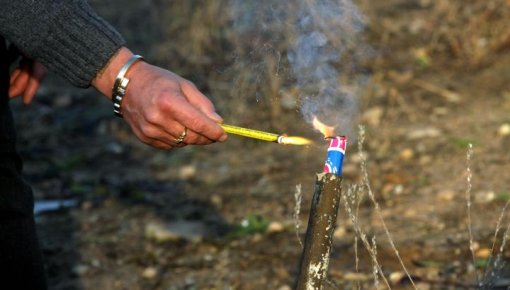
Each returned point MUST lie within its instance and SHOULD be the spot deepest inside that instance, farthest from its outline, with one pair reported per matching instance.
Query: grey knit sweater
(67, 36)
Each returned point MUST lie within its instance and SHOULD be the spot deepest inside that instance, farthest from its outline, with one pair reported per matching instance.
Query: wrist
(121, 84)
(105, 79)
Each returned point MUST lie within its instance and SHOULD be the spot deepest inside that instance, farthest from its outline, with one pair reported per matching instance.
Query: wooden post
(314, 263)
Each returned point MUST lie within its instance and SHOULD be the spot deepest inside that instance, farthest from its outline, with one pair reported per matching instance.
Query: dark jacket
(67, 36)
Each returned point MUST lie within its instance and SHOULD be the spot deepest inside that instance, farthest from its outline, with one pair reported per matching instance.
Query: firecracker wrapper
(336, 153)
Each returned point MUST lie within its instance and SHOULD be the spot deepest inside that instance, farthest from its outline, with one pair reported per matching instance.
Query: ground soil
(439, 80)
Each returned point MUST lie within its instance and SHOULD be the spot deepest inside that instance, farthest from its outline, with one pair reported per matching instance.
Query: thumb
(213, 115)
(201, 102)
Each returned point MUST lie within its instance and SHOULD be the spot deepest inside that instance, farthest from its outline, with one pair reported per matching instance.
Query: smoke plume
(320, 41)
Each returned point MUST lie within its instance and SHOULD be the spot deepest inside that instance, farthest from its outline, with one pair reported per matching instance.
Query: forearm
(64, 35)
(163, 109)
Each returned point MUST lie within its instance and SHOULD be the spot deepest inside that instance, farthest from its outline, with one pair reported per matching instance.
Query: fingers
(166, 130)
(164, 133)
(14, 76)
(30, 90)
(26, 80)
(19, 83)
(156, 142)
(37, 75)
(159, 106)
(200, 101)
(192, 118)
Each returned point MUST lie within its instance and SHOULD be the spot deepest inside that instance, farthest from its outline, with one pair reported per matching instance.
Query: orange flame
(326, 130)
(293, 140)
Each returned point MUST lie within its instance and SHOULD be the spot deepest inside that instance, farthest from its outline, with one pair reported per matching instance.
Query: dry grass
(245, 67)
(355, 196)
(298, 196)
(483, 34)
(253, 58)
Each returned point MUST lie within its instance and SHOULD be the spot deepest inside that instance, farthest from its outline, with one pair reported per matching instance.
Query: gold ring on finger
(181, 137)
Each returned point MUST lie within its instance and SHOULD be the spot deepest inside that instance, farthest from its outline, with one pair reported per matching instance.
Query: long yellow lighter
(265, 136)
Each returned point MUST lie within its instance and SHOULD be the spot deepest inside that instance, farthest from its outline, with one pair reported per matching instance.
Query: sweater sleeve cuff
(79, 44)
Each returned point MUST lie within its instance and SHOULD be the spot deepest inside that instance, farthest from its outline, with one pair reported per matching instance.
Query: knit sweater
(67, 36)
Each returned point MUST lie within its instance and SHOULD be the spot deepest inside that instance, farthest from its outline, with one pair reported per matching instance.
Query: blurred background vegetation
(221, 216)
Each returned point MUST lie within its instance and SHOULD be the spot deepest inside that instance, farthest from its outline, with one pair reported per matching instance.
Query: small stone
(275, 227)
(470, 268)
(86, 205)
(483, 253)
(422, 286)
(62, 101)
(115, 148)
(187, 172)
(416, 26)
(425, 3)
(339, 233)
(189, 230)
(429, 132)
(406, 154)
(150, 273)
(190, 281)
(401, 78)
(506, 94)
(96, 263)
(485, 196)
(399, 189)
(396, 277)
(256, 238)
(159, 233)
(216, 200)
(208, 258)
(504, 130)
(411, 213)
(281, 273)
(80, 269)
(441, 111)
(425, 159)
(446, 195)
(388, 188)
(352, 276)
(373, 116)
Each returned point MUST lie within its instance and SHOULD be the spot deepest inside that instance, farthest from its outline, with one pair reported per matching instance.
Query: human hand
(26, 79)
(160, 105)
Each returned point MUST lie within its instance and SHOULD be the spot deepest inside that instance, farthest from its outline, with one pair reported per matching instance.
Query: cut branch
(319, 234)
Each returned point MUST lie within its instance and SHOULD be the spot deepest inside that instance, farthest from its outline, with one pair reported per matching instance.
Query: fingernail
(223, 138)
(216, 117)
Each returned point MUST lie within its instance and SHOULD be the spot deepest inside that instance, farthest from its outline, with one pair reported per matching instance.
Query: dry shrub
(193, 30)
(237, 51)
(472, 32)
(238, 69)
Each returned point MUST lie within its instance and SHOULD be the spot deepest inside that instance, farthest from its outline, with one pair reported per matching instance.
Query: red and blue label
(336, 153)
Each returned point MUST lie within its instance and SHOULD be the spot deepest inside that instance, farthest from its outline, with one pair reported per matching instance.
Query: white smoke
(322, 39)
(327, 31)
